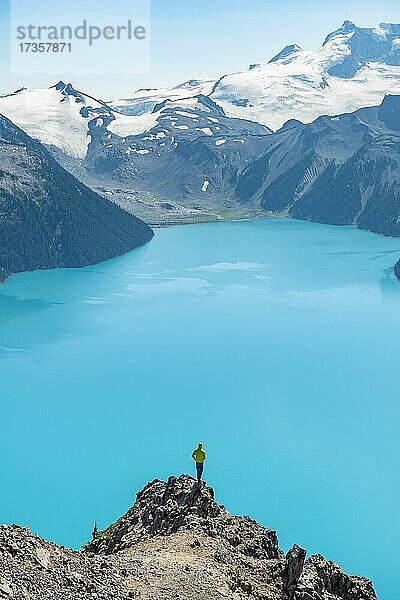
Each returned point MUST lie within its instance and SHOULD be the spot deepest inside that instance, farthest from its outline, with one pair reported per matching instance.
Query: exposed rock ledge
(176, 542)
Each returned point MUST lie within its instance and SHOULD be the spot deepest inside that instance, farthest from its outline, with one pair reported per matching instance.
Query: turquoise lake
(275, 342)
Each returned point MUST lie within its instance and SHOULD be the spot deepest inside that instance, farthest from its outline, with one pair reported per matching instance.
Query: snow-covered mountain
(174, 171)
(65, 118)
(203, 151)
(69, 120)
(144, 100)
(131, 158)
(354, 68)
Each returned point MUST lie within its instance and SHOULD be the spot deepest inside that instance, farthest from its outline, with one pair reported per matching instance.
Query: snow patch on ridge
(125, 125)
(205, 130)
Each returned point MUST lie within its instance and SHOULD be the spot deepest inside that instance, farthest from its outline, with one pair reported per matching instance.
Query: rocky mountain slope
(339, 170)
(48, 219)
(195, 163)
(342, 170)
(175, 542)
(145, 163)
(178, 171)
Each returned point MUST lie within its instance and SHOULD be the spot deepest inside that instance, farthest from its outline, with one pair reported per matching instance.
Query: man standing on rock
(199, 456)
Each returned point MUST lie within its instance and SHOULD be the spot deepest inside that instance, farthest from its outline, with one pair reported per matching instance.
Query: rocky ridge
(175, 542)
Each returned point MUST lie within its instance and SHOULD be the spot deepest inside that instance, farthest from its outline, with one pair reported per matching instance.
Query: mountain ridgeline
(48, 219)
(175, 542)
(341, 170)
(355, 67)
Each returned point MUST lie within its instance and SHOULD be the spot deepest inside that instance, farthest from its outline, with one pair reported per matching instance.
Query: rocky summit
(176, 542)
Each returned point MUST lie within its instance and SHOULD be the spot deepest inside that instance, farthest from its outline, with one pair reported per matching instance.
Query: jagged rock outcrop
(175, 542)
(165, 508)
(33, 569)
(325, 579)
(293, 569)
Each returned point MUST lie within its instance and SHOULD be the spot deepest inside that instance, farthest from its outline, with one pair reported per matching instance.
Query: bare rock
(175, 542)
(164, 508)
(293, 569)
(323, 579)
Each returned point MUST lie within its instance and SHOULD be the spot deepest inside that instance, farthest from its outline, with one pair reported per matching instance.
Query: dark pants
(199, 469)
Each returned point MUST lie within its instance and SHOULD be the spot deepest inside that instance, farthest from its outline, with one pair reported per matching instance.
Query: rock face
(165, 508)
(175, 542)
(48, 219)
(324, 579)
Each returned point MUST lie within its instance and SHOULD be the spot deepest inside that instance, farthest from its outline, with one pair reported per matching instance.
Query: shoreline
(217, 219)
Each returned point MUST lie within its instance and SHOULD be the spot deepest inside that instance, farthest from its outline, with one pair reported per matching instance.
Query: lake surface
(275, 342)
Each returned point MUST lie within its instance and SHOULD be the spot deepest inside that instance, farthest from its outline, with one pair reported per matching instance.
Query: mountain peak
(163, 508)
(183, 511)
(347, 27)
(362, 45)
(67, 89)
(60, 85)
(287, 51)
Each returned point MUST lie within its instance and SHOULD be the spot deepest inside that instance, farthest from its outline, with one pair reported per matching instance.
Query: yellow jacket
(199, 454)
